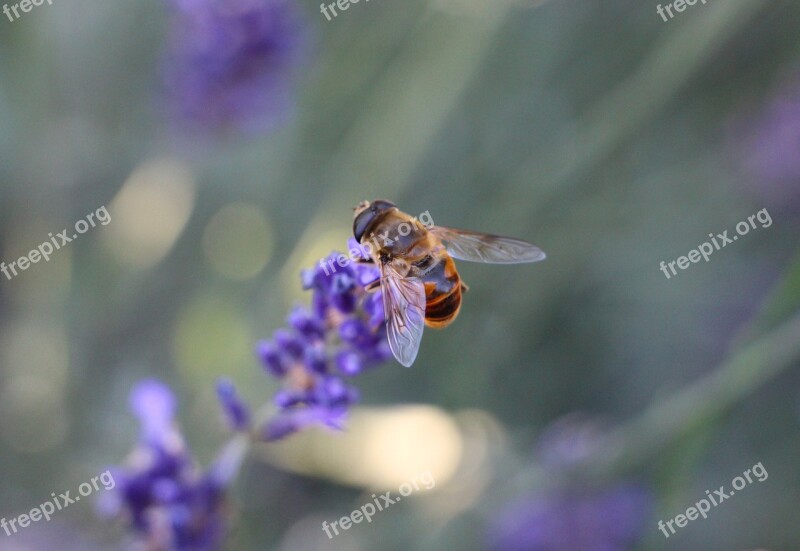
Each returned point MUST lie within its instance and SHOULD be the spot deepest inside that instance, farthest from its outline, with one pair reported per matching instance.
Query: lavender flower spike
(170, 503)
(236, 411)
(572, 516)
(767, 145)
(341, 335)
(231, 63)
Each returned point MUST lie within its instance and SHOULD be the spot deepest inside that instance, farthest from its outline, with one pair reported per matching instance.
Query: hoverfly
(419, 280)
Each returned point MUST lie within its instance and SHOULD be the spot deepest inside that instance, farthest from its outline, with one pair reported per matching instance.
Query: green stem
(233, 453)
(668, 420)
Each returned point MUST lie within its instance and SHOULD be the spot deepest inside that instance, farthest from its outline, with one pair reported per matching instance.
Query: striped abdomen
(442, 290)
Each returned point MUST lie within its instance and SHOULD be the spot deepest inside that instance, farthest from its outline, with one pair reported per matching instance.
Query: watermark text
(47, 509)
(56, 242)
(380, 503)
(700, 509)
(721, 240)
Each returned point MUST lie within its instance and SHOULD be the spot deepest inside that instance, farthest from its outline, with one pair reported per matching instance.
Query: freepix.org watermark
(25, 6)
(678, 5)
(721, 240)
(379, 503)
(58, 503)
(46, 249)
(702, 507)
(343, 5)
(365, 249)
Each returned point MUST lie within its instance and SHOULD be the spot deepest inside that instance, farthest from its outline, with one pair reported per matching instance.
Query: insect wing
(404, 308)
(489, 249)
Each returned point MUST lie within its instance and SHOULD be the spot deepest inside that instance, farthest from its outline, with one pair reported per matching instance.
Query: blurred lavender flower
(601, 520)
(768, 146)
(236, 411)
(340, 335)
(171, 504)
(572, 517)
(231, 63)
(53, 535)
(569, 441)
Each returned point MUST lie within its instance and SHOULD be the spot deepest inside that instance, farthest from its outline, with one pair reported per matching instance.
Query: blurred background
(608, 137)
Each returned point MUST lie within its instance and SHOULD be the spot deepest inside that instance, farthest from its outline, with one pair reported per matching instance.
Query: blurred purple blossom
(342, 334)
(572, 516)
(768, 146)
(231, 64)
(171, 504)
(592, 520)
(569, 441)
(53, 535)
(236, 411)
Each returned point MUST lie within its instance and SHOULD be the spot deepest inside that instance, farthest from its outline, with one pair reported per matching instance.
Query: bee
(418, 278)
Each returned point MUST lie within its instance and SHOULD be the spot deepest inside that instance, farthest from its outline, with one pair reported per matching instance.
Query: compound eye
(381, 205)
(361, 223)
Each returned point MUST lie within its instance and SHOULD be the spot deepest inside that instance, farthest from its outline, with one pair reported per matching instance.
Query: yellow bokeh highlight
(44, 281)
(238, 241)
(381, 448)
(33, 416)
(149, 213)
(210, 338)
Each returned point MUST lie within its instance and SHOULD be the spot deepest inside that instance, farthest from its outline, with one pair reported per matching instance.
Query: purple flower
(572, 516)
(593, 520)
(236, 411)
(230, 63)
(342, 334)
(169, 501)
(155, 406)
(52, 535)
(767, 146)
(569, 441)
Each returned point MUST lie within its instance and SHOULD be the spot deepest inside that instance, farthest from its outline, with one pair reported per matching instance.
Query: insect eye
(366, 217)
(381, 205)
(361, 222)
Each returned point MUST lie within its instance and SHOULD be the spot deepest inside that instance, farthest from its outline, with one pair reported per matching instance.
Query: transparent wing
(404, 308)
(490, 249)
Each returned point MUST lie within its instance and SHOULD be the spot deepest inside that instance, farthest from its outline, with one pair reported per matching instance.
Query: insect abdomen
(442, 311)
(442, 294)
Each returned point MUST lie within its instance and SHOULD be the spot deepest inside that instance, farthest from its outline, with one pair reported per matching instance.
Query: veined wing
(489, 249)
(404, 308)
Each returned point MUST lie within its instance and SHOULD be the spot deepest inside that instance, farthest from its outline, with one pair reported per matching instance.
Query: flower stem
(668, 420)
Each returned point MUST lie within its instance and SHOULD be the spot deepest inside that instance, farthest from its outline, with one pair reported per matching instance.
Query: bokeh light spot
(33, 418)
(238, 241)
(149, 213)
(210, 338)
(381, 449)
